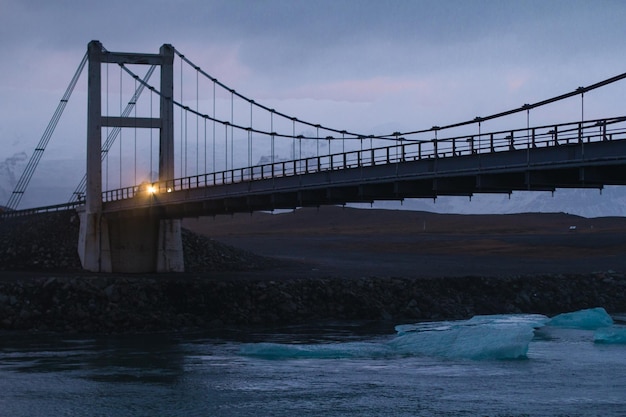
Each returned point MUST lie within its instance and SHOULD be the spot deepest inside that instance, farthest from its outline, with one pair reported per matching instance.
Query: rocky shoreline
(114, 304)
(49, 292)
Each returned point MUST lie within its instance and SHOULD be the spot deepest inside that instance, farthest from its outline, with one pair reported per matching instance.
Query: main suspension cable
(225, 122)
(360, 137)
(225, 87)
(579, 90)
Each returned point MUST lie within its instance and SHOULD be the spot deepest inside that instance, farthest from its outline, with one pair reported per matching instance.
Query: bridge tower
(132, 243)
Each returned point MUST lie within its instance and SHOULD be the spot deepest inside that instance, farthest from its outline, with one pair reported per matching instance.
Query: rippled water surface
(446, 368)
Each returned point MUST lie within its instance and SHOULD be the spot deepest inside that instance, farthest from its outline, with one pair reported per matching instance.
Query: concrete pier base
(130, 244)
(170, 247)
(93, 243)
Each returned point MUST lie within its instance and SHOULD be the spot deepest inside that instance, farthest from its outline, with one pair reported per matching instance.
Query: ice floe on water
(481, 337)
(589, 319)
(606, 331)
(614, 335)
(505, 336)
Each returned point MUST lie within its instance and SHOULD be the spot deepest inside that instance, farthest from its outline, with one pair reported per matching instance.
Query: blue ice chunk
(421, 327)
(615, 335)
(481, 337)
(533, 320)
(589, 319)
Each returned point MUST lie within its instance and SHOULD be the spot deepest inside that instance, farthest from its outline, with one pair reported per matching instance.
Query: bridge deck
(569, 155)
(575, 165)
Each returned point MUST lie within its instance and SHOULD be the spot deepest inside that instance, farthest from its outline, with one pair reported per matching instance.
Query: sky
(367, 66)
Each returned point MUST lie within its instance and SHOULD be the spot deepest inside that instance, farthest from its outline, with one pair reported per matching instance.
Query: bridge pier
(170, 255)
(130, 244)
(145, 244)
(93, 242)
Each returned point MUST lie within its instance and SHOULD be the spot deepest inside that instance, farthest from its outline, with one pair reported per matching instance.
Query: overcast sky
(356, 65)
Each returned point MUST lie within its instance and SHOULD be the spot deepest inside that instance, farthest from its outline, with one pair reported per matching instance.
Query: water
(339, 369)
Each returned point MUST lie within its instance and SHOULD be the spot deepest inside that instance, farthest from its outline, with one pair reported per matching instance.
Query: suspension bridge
(210, 150)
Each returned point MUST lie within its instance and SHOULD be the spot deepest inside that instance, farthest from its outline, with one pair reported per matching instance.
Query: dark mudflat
(352, 243)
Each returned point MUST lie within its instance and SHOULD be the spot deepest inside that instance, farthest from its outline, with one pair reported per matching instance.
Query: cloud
(454, 57)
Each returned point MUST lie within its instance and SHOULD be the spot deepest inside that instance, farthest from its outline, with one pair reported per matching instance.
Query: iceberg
(481, 337)
(505, 336)
(615, 335)
(589, 319)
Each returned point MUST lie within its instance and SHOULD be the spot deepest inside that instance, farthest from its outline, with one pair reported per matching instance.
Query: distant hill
(346, 220)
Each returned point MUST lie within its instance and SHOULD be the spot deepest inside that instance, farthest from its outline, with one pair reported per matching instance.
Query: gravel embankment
(123, 303)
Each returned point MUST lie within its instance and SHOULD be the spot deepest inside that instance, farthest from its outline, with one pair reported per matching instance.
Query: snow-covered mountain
(611, 201)
(10, 170)
(52, 183)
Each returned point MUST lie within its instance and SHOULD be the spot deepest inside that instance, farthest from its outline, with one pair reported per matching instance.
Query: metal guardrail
(404, 150)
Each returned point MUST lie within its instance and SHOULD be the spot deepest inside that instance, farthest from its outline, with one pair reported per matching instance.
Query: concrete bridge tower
(139, 242)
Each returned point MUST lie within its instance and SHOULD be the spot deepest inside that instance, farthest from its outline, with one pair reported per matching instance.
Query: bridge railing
(39, 210)
(403, 150)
